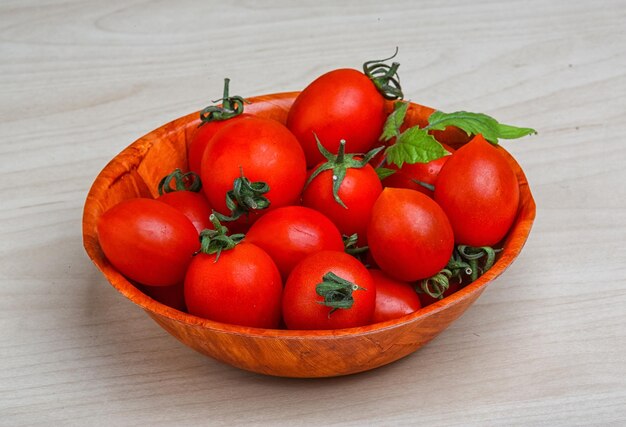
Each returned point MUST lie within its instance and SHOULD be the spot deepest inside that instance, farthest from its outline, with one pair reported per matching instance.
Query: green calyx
(215, 241)
(466, 262)
(350, 245)
(189, 181)
(339, 164)
(385, 77)
(231, 106)
(245, 197)
(337, 292)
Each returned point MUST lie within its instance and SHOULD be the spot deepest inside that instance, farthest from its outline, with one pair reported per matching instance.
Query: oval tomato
(290, 233)
(343, 281)
(148, 241)
(262, 150)
(479, 192)
(409, 235)
(241, 287)
(341, 104)
(350, 205)
(393, 298)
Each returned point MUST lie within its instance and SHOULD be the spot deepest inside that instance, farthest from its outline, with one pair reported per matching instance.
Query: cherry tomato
(201, 138)
(241, 287)
(343, 281)
(393, 298)
(351, 205)
(341, 104)
(172, 296)
(410, 175)
(148, 241)
(194, 206)
(262, 150)
(409, 235)
(181, 191)
(290, 233)
(213, 118)
(479, 192)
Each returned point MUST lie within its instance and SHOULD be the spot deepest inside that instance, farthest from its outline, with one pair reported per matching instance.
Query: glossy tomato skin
(264, 150)
(409, 173)
(301, 303)
(290, 233)
(341, 104)
(193, 205)
(172, 296)
(394, 299)
(409, 235)
(148, 241)
(479, 192)
(359, 190)
(242, 288)
(201, 138)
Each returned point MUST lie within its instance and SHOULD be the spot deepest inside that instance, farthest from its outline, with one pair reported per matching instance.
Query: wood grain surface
(81, 80)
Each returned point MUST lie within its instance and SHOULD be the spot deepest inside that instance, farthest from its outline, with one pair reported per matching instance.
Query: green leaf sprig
(417, 145)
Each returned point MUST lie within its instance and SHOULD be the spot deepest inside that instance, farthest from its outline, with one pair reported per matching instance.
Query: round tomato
(328, 290)
(341, 104)
(409, 235)
(290, 233)
(415, 175)
(241, 287)
(213, 118)
(201, 138)
(181, 191)
(393, 298)
(479, 192)
(344, 189)
(172, 296)
(266, 154)
(193, 205)
(148, 241)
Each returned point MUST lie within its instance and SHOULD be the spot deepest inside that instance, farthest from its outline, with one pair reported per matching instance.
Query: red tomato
(341, 104)
(393, 298)
(358, 191)
(148, 241)
(193, 205)
(409, 235)
(264, 151)
(408, 175)
(290, 233)
(304, 308)
(201, 138)
(172, 296)
(242, 287)
(479, 192)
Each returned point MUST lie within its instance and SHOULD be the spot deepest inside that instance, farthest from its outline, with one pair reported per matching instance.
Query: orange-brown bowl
(136, 171)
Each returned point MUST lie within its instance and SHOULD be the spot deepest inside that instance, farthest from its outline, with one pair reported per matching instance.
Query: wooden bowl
(136, 171)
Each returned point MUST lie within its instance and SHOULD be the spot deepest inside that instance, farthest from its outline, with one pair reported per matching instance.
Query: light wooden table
(544, 345)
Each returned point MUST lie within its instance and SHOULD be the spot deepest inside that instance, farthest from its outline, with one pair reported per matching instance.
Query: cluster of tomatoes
(290, 226)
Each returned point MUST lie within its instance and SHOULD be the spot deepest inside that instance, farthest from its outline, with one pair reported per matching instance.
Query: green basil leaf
(394, 121)
(414, 145)
(477, 123)
(384, 172)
